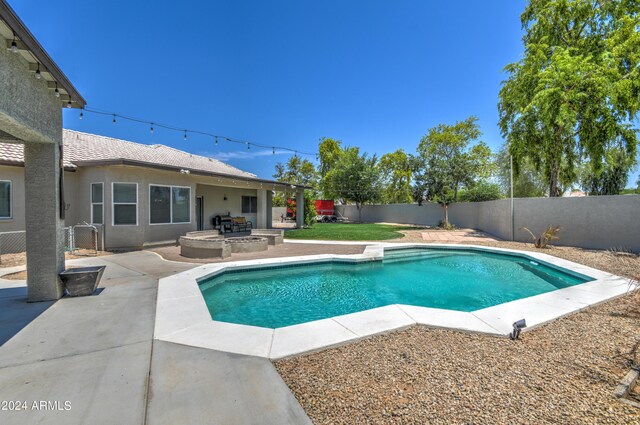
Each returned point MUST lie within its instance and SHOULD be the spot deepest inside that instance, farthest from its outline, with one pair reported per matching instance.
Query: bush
(309, 209)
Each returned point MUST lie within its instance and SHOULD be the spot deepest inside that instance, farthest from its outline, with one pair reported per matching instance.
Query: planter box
(82, 281)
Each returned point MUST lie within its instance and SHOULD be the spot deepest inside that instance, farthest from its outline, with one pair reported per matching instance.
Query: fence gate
(76, 238)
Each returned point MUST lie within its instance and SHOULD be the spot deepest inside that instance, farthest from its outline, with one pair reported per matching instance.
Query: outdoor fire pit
(204, 245)
(82, 281)
(248, 244)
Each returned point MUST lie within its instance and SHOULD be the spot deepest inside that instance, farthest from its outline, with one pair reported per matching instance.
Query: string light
(153, 124)
(56, 91)
(14, 45)
(38, 75)
(69, 104)
(81, 114)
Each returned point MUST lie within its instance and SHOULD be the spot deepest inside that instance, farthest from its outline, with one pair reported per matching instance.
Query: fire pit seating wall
(274, 236)
(204, 245)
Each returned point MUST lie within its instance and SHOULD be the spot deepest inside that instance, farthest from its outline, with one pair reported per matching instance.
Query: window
(125, 204)
(5, 199)
(249, 204)
(97, 203)
(169, 204)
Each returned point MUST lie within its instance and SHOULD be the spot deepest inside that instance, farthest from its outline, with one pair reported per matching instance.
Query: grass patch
(349, 232)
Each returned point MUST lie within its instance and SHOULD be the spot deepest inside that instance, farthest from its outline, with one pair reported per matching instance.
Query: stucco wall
(28, 109)
(598, 222)
(277, 212)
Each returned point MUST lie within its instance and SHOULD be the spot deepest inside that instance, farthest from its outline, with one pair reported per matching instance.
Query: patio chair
(241, 224)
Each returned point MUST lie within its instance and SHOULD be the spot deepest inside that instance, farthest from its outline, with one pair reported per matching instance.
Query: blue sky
(372, 73)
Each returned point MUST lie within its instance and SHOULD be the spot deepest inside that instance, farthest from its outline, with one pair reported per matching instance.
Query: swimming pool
(459, 280)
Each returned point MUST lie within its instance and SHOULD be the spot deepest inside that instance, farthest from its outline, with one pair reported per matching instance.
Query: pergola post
(262, 209)
(299, 209)
(44, 228)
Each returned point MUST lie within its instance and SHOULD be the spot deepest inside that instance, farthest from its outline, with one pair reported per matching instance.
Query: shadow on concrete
(16, 313)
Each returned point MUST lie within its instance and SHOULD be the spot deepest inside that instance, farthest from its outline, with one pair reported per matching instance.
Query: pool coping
(182, 316)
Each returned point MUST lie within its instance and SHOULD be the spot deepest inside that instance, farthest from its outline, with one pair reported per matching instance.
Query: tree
(611, 177)
(355, 178)
(396, 169)
(483, 191)
(576, 91)
(295, 171)
(527, 183)
(329, 153)
(445, 163)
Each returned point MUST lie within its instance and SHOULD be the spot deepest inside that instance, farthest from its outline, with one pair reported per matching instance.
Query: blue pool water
(447, 279)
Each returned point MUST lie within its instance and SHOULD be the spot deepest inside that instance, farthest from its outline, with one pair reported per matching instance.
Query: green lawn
(348, 232)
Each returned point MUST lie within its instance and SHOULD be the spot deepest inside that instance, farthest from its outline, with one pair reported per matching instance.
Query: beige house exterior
(140, 195)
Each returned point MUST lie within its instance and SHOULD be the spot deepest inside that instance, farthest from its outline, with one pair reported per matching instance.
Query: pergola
(33, 91)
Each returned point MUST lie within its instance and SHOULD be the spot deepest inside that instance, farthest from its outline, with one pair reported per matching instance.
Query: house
(139, 195)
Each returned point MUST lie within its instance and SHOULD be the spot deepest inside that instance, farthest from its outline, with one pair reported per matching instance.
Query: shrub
(547, 236)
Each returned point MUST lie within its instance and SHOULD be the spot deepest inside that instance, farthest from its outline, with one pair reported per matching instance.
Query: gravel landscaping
(563, 372)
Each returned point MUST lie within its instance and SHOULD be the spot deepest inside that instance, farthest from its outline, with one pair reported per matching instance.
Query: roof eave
(15, 24)
(135, 163)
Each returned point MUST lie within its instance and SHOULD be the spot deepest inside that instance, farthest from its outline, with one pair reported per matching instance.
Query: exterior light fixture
(114, 119)
(185, 135)
(151, 129)
(216, 141)
(38, 75)
(183, 171)
(69, 104)
(81, 114)
(517, 327)
(56, 91)
(14, 44)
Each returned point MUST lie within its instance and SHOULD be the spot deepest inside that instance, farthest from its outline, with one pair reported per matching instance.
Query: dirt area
(284, 250)
(563, 372)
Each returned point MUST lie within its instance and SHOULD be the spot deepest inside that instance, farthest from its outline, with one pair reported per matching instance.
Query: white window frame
(113, 204)
(10, 200)
(91, 203)
(170, 204)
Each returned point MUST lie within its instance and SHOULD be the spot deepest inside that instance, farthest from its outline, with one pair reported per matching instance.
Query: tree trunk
(553, 179)
(359, 207)
(446, 215)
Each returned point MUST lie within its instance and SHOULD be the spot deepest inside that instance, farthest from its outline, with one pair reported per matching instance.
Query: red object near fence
(325, 207)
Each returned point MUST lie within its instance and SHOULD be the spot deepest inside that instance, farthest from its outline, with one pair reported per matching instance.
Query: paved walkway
(458, 236)
(98, 354)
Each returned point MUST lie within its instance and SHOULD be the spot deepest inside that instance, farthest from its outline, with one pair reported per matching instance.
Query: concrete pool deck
(98, 353)
(182, 315)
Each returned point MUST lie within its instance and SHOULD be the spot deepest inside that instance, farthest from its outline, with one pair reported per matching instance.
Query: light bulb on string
(215, 141)
(185, 135)
(248, 145)
(56, 91)
(151, 128)
(81, 114)
(69, 104)
(38, 75)
(114, 119)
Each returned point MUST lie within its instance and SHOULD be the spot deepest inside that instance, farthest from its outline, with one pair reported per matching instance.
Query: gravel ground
(563, 372)
(20, 259)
